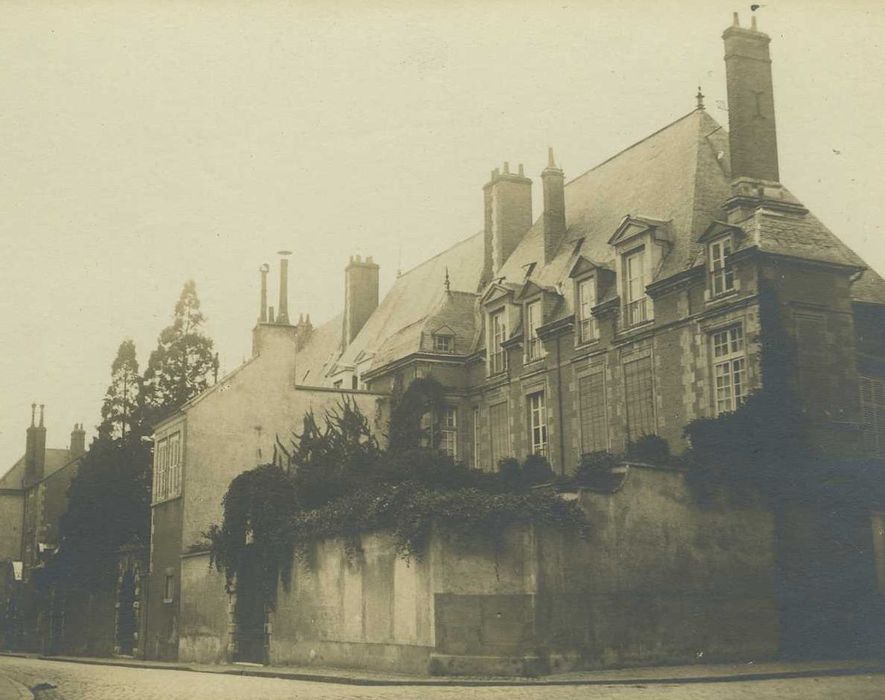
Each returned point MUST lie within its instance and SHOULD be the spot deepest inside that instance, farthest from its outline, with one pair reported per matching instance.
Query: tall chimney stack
(507, 200)
(78, 440)
(35, 449)
(553, 180)
(262, 312)
(751, 129)
(283, 310)
(360, 295)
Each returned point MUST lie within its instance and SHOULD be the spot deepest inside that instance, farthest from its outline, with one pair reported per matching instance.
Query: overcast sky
(145, 143)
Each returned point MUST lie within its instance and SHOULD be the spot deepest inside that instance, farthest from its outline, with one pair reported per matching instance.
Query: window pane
(499, 433)
(639, 394)
(594, 426)
(538, 423)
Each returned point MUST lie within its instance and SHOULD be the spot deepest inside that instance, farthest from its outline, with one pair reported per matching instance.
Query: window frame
(721, 273)
(872, 413)
(539, 435)
(585, 421)
(506, 443)
(635, 310)
(449, 431)
(449, 343)
(534, 348)
(731, 364)
(587, 330)
(497, 335)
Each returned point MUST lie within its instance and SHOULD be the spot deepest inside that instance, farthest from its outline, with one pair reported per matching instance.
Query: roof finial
(700, 98)
(448, 282)
(551, 161)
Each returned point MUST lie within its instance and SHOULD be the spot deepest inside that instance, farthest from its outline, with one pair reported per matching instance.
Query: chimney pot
(736, 21)
(506, 168)
(283, 311)
(270, 315)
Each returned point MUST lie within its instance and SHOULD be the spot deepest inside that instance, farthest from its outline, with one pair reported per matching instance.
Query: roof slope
(315, 358)
(55, 459)
(416, 293)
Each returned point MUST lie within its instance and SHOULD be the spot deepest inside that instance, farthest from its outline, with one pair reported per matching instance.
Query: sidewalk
(707, 673)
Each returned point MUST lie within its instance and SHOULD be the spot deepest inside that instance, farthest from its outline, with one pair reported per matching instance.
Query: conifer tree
(183, 362)
(121, 412)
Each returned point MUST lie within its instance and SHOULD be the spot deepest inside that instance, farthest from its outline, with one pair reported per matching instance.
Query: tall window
(167, 468)
(594, 426)
(586, 301)
(532, 321)
(476, 455)
(448, 426)
(872, 407)
(499, 432)
(497, 335)
(635, 301)
(538, 423)
(639, 398)
(729, 368)
(721, 275)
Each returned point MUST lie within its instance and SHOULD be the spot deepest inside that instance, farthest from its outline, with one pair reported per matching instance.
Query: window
(499, 432)
(729, 368)
(167, 468)
(872, 408)
(354, 382)
(169, 587)
(443, 343)
(639, 397)
(594, 426)
(586, 301)
(635, 301)
(538, 423)
(448, 425)
(532, 321)
(497, 335)
(721, 274)
(476, 437)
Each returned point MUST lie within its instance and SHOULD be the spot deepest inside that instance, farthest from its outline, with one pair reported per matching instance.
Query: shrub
(652, 449)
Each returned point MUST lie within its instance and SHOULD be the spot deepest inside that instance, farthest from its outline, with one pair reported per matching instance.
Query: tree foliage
(183, 362)
(122, 409)
(333, 481)
(108, 507)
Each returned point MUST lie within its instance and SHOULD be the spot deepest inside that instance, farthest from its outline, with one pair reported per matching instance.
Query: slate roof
(417, 293)
(55, 460)
(679, 175)
(316, 357)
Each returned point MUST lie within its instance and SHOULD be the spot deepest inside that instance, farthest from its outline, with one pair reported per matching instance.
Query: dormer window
(533, 347)
(443, 342)
(497, 335)
(635, 300)
(721, 274)
(586, 296)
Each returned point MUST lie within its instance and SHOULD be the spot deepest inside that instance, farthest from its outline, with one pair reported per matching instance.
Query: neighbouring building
(631, 306)
(33, 498)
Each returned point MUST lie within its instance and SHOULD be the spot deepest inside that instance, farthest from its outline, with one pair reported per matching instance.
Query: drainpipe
(559, 402)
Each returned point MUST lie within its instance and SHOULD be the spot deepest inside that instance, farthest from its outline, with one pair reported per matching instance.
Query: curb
(468, 683)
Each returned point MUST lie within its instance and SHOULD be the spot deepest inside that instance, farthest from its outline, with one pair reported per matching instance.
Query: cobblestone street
(75, 681)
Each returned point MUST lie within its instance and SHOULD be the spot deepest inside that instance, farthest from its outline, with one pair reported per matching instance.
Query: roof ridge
(633, 145)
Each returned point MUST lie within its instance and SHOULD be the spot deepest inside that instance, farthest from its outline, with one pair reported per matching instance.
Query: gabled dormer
(640, 244)
(590, 281)
(443, 339)
(720, 240)
(501, 315)
(536, 303)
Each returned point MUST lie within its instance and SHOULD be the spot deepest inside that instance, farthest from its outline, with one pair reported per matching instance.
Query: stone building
(33, 498)
(631, 306)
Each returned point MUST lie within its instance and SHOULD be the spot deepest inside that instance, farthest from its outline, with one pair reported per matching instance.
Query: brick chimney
(275, 335)
(35, 449)
(360, 295)
(751, 130)
(553, 180)
(508, 216)
(78, 440)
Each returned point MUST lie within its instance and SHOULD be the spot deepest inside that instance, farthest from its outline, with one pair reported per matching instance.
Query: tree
(183, 362)
(121, 411)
